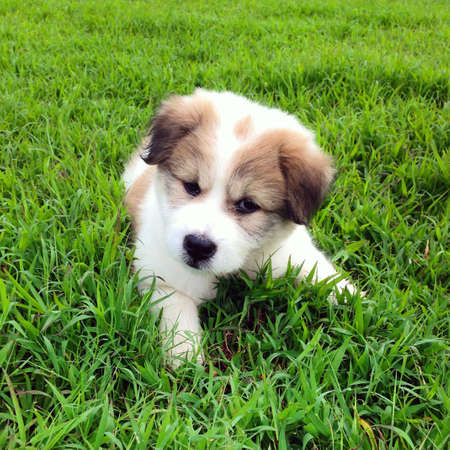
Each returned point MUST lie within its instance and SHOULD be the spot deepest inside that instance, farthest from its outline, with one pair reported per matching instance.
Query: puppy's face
(227, 183)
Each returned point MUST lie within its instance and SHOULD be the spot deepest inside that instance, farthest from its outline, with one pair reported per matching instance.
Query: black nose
(199, 247)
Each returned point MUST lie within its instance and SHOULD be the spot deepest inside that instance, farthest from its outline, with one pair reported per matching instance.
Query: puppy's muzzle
(198, 248)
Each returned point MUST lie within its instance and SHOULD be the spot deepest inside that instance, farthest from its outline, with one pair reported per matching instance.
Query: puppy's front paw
(341, 287)
(182, 349)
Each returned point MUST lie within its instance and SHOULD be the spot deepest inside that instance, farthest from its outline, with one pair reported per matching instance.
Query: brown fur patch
(243, 128)
(192, 160)
(281, 172)
(256, 175)
(176, 193)
(136, 193)
(259, 223)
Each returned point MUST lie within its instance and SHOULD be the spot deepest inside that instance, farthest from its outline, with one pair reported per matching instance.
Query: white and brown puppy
(221, 184)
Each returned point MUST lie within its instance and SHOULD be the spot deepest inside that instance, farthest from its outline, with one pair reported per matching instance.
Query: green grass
(79, 351)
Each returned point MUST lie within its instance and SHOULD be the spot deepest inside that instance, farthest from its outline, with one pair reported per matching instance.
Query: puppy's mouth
(195, 263)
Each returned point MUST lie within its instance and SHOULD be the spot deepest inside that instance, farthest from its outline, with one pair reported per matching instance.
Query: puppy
(221, 184)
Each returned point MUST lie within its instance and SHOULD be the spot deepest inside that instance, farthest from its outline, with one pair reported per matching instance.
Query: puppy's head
(232, 177)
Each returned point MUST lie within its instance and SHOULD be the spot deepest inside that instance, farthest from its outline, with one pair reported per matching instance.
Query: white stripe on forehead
(232, 108)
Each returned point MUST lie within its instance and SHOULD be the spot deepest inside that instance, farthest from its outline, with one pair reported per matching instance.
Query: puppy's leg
(323, 270)
(302, 251)
(180, 326)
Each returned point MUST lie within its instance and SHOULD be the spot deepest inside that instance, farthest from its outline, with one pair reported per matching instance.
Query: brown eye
(246, 206)
(192, 188)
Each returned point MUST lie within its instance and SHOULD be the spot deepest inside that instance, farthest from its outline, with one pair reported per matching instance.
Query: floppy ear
(308, 173)
(175, 119)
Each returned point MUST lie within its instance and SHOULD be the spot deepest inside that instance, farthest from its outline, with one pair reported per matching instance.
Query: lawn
(80, 356)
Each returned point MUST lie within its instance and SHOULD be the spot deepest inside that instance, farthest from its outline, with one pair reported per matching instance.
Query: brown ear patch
(282, 171)
(177, 117)
(308, 173)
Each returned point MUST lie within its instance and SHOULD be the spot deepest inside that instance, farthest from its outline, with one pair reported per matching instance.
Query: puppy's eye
(192, 188)
(246, 206)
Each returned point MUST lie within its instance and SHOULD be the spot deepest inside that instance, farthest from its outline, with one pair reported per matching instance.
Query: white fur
(159, 240)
